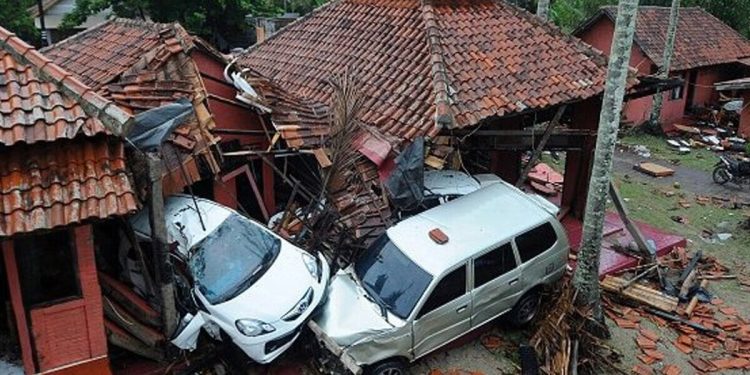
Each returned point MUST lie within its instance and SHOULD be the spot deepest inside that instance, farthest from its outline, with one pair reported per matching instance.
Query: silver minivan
(440, 274)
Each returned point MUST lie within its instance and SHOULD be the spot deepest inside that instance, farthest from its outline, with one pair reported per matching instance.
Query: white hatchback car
(250, 283)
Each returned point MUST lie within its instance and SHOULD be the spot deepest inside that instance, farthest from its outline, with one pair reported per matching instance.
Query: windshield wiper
(375, 298)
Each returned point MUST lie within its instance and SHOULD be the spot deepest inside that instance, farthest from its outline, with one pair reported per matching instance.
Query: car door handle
(513, 282)
(461, 309)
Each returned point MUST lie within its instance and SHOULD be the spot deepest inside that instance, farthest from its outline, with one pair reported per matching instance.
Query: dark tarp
(406, 183)
(154, 126)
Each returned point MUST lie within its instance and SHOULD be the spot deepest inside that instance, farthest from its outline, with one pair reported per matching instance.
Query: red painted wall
(67, 334)
(230, 115)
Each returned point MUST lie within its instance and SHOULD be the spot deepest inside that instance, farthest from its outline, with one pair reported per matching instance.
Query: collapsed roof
(430, 66)
(142, 65)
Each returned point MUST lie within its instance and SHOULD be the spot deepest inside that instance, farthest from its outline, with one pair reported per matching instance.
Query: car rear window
(536, 241)
(494, 264)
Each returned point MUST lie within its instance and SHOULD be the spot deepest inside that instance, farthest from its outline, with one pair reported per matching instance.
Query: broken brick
(722, 363)
(731, 311)
(671, 370)
(646, 359)
(717, 301)
(683, 348)
(654, 354)
(645, 343)
(729, 325)
(685, 340)
(625, 323)
(731, 345)
(708, 347)
(702, 365)
(649, 334)
(642, 370)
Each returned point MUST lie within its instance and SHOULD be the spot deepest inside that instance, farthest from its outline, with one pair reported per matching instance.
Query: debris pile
(564, 339)
(673, 295)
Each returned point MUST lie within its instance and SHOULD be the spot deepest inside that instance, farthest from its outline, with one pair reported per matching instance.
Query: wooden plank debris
(640, 293)
(653, 169)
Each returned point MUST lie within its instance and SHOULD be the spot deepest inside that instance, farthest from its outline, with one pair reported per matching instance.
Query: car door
(497, 283)
(538, 263)
(445, 314)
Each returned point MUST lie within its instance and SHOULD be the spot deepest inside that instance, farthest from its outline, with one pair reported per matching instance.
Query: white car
(253, 285)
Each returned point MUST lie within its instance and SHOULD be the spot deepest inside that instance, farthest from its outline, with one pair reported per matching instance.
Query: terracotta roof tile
(58, 164)
(473, 59)
(53, 184)
(141, 65)
(702, 39)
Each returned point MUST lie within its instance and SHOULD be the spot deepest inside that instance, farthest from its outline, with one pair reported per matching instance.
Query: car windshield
(391, 278)
(232, 258)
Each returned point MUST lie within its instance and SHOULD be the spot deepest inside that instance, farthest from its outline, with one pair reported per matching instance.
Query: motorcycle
(731, 170)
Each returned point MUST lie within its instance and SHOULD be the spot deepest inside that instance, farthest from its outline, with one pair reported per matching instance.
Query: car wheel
(387, 367)
(525, 310)
(721, 175)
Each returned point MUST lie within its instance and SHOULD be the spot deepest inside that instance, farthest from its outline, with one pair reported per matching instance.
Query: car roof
(182, 209)
(474, 222)
(449, 182)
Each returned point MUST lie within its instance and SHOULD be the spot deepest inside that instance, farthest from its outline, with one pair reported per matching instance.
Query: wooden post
(542, 143)
(163, 274)
(633, 229)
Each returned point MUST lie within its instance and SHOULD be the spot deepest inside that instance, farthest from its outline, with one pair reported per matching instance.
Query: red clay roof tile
(459, 52)
(58, 165)
(702, 39)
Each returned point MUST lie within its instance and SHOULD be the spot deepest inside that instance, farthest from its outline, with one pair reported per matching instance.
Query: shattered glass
(232, 258)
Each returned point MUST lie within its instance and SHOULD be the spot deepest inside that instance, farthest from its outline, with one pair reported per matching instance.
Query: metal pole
(44, 34)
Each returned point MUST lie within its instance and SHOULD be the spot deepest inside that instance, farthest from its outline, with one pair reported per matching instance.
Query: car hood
(349, 316)
(274, 294)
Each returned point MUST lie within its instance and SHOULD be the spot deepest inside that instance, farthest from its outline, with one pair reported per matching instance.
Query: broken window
(494, 264)
(449, 288)
(47, 268)
(536, 241)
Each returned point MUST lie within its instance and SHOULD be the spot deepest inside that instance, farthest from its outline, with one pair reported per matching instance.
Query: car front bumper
(266, 348)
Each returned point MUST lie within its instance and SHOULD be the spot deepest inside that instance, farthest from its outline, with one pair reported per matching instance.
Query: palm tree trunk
(542, 9)
(586, 278)
(674, 16)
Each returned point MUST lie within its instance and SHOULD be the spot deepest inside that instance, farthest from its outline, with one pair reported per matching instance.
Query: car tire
(525, 309)
(387, 367)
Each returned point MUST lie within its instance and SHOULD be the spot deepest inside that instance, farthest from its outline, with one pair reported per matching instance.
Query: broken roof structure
(143, 65)
(428, 67)
(61, 162)
(702, 39)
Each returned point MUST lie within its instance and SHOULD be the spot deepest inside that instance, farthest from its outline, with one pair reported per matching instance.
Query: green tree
(15, 17)
(214, 20)
(569, 14)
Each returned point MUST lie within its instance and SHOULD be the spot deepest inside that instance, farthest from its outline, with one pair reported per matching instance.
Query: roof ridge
(114, 119)
(288, 26)
(443, 114)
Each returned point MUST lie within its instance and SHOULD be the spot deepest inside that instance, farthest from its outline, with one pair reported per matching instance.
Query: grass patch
(698, 158)
(650, 204)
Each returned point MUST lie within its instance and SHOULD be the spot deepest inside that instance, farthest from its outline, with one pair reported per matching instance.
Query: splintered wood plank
(640, 293)
(653, 169)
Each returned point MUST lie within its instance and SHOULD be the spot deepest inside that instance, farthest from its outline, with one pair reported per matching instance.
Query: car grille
(276, 343)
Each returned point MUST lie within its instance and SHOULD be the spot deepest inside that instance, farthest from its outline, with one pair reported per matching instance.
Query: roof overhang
(650, 85)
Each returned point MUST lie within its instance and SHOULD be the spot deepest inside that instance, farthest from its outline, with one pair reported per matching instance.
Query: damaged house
(706, 51)
(480, 80)
(62, 173)
(142, 64)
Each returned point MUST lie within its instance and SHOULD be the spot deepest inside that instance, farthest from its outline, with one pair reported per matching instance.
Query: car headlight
(253, 328)
(312, 265)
